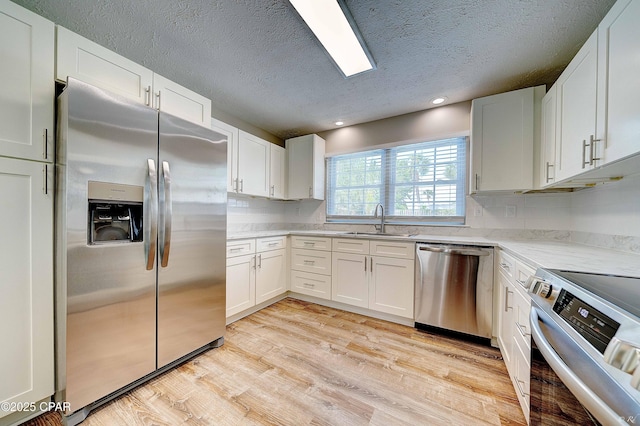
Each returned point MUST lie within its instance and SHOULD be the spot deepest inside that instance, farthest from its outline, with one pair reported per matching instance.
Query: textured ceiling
(258, 61)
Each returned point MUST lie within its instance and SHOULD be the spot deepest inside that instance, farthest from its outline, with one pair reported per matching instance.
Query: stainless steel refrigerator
(141, 235)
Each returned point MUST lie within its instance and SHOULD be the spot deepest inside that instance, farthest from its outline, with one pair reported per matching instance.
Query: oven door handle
(582, 392)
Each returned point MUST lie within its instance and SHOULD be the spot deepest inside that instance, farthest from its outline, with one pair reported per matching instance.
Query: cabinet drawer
(522, 274)
(312, 243)
(271, 243)
(522, 329)
(392, 249)
(241, 247)
(314, 261)
(506, 264)
(311, 284)
(350, 245)
(522, 380)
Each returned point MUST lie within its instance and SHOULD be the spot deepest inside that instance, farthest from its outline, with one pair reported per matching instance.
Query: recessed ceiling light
(339, 123)
(331, 22)
(438, 101)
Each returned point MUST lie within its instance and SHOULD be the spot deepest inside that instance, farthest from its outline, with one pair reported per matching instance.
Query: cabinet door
(27, 97)
(174, 99)
(349, 279)
(232, 152)
(271, 275)
(241, 284)
(277, 171)
(548, 138)
(576, 115)
(88, 61)
(506, 319)
(253, 165)
(391, 286)
(618, 82)
(306, 167)
(502, 141)
(26, 286)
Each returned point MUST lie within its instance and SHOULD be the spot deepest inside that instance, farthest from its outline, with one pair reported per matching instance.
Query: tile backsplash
(606, 215)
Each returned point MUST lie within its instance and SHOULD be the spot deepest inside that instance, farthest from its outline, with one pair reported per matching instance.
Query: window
(421, 182)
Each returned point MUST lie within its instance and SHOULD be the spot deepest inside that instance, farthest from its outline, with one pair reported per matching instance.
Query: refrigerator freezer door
(109, 319)
(191, 237)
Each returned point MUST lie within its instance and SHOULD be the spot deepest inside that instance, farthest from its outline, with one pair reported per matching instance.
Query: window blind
(423, 182)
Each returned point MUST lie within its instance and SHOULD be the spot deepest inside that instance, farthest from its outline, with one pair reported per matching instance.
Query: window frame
(388, 185)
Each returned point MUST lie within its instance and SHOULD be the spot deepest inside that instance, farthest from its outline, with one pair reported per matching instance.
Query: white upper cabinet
(576, 114)
(177, 100)
(548, 138)
(94, 64)
(253, 165)
(597, 127)
(232, 151)
(278, 172)
(502, 140)
(28, 95)
(85, 60)
(618, 109)
(305, 167)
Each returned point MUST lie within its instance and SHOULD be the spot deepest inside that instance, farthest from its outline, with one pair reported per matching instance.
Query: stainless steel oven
(585, 365)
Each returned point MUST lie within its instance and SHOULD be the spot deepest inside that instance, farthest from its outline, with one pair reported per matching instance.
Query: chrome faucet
(379, 228)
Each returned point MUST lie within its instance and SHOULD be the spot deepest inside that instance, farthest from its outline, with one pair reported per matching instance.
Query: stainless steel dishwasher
(454, 288)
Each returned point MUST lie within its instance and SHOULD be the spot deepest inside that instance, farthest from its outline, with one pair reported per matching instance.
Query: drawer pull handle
(309, 285)
(505, 266)
(309, 262)
(520, 388)
(522, 329)
(236, 249)
(309, 243)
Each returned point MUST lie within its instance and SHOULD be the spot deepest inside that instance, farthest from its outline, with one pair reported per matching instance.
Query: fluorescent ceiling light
(331, 26)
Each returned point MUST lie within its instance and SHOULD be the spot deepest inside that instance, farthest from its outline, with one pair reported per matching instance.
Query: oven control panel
(597, 328)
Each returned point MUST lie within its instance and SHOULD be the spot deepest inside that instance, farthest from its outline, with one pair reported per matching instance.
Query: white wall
(612, 209)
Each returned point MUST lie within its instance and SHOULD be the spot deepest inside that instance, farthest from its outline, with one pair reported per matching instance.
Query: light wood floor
(297, 363)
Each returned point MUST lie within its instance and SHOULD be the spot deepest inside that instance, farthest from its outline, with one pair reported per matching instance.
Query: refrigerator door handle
(152, 202)
(165, 247)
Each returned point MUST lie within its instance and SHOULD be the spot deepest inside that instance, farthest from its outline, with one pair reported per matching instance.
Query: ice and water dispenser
(115, 213)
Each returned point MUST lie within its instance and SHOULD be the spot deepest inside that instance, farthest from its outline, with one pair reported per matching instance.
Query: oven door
(575, 389)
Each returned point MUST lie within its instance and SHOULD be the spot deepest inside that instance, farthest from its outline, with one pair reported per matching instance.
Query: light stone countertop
(537, 253)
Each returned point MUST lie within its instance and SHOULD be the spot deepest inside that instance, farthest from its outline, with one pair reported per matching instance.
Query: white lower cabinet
(311, 266)
(26, 283)
(241, 283)
(256, 272)
(514, 335)
(362, 278)
(391, 286)
(505, 304)
(271, 274)
(350, 278)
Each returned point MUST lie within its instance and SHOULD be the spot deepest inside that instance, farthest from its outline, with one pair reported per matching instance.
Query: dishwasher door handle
(465, 251)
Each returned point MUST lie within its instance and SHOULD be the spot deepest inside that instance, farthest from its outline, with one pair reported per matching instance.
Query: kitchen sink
(376, 234)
